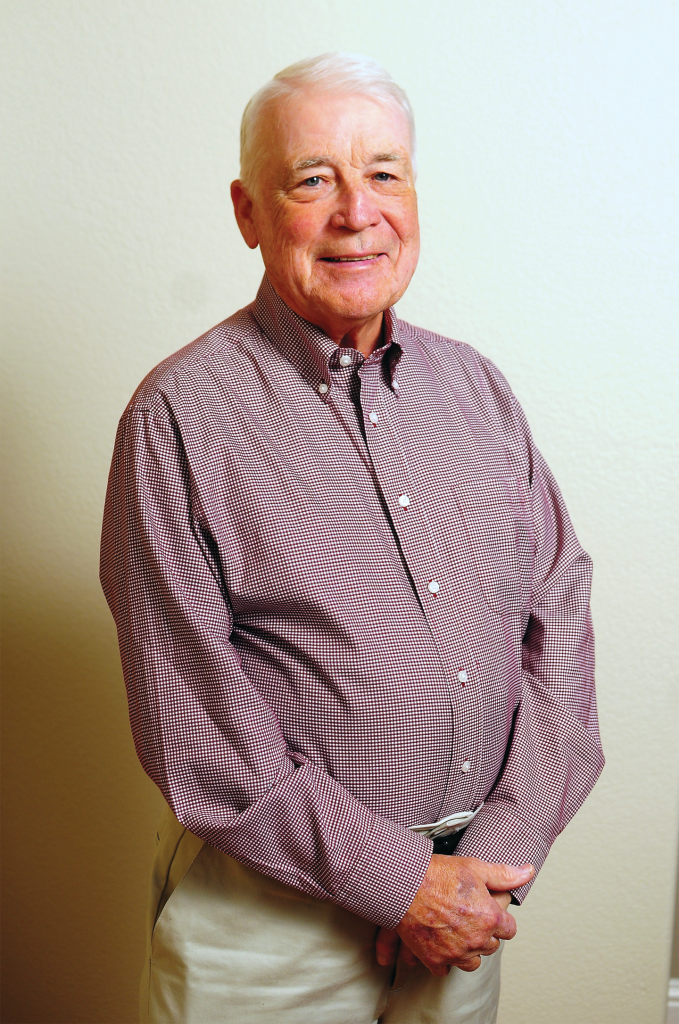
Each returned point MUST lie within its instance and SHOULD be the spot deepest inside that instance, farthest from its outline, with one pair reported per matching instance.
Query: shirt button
(466, 765)
(395, 385)
(374, 418)
(403, 500)
(345, 360)
(433, 587)
(462, 676)
(322, 388)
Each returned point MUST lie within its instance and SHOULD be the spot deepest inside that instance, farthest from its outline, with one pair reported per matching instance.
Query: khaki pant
(230, 946)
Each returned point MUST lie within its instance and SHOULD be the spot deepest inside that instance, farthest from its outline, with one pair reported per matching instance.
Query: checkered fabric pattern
(349, 599)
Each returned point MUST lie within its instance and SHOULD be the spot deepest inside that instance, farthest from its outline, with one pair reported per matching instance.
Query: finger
(386, 946)
(502, 877)
(490, 946)
(407, 956)
(439, 970)
(503, 899)
(506, 926)
(469, 965)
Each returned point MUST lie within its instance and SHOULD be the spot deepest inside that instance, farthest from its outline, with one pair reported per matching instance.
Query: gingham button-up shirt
(349, 599)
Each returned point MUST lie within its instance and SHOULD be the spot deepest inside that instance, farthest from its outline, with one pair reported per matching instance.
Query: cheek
(414, 242)
(294, 230)
(408, 230)
(411, 225)
(302, 227)
(403, 218)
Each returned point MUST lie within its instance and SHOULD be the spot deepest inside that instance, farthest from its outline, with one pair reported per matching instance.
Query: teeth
(351, 259)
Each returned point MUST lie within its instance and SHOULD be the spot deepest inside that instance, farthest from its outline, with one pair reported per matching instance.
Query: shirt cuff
(384, 881)
(498, 836)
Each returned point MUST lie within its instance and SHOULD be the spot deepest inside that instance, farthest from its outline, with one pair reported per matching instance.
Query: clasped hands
(459, 914)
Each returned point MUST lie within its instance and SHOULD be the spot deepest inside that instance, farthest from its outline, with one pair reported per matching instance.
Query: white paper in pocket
(446, 826)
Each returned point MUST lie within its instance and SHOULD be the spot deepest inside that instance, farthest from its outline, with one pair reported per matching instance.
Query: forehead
(345, 126)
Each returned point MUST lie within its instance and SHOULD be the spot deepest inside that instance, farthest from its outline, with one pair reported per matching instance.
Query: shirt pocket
(496, 515)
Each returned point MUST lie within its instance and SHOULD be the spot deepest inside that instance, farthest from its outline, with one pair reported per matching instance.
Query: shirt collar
(306, 346)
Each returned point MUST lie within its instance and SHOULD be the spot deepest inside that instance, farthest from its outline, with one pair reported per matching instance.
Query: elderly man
(352, 611)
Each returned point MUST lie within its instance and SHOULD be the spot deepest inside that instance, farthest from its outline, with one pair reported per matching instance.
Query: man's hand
(388, 944)
(503, 899)
(458, 915)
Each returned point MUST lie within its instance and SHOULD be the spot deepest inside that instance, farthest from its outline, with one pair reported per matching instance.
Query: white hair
(331, 72)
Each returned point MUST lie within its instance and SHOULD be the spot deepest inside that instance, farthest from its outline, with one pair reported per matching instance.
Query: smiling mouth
(350, 259)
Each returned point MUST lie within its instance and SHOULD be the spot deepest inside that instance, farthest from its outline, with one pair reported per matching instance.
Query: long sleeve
(554, 754)
(349, 600)
(203, 732)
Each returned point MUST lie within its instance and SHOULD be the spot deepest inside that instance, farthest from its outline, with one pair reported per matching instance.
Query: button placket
(438, 605)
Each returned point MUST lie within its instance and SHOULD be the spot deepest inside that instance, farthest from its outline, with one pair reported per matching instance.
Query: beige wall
(546, 196)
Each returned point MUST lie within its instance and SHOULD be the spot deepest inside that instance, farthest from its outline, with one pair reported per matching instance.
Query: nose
(356, 209)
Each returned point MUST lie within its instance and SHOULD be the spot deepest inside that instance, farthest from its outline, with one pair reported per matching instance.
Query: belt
(446, 833)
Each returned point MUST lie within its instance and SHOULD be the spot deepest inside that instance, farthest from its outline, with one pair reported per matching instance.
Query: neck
(363, 335)
(365, 338)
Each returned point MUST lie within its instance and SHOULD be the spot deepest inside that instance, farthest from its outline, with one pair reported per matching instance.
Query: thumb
(501, 877)
(386, 946)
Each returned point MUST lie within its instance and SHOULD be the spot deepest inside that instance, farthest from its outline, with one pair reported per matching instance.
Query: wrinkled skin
(459, 914)
(337, 182)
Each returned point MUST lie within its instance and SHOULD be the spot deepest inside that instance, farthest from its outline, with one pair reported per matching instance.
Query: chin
(357, 303)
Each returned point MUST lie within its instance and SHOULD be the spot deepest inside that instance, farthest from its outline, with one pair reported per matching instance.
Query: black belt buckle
(447, 844)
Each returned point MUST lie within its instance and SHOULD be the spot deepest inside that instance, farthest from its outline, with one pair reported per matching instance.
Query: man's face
(335, 209)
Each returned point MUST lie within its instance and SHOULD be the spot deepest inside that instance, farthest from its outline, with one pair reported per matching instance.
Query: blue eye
(315, 180)
(382, 176)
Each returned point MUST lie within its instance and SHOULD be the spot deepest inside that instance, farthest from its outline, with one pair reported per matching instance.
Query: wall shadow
(79, 816)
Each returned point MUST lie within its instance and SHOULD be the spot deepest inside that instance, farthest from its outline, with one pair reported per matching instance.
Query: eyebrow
(324, 161)
(314, 161)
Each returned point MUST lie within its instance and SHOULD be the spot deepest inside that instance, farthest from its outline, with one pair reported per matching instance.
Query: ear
(242, 207)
